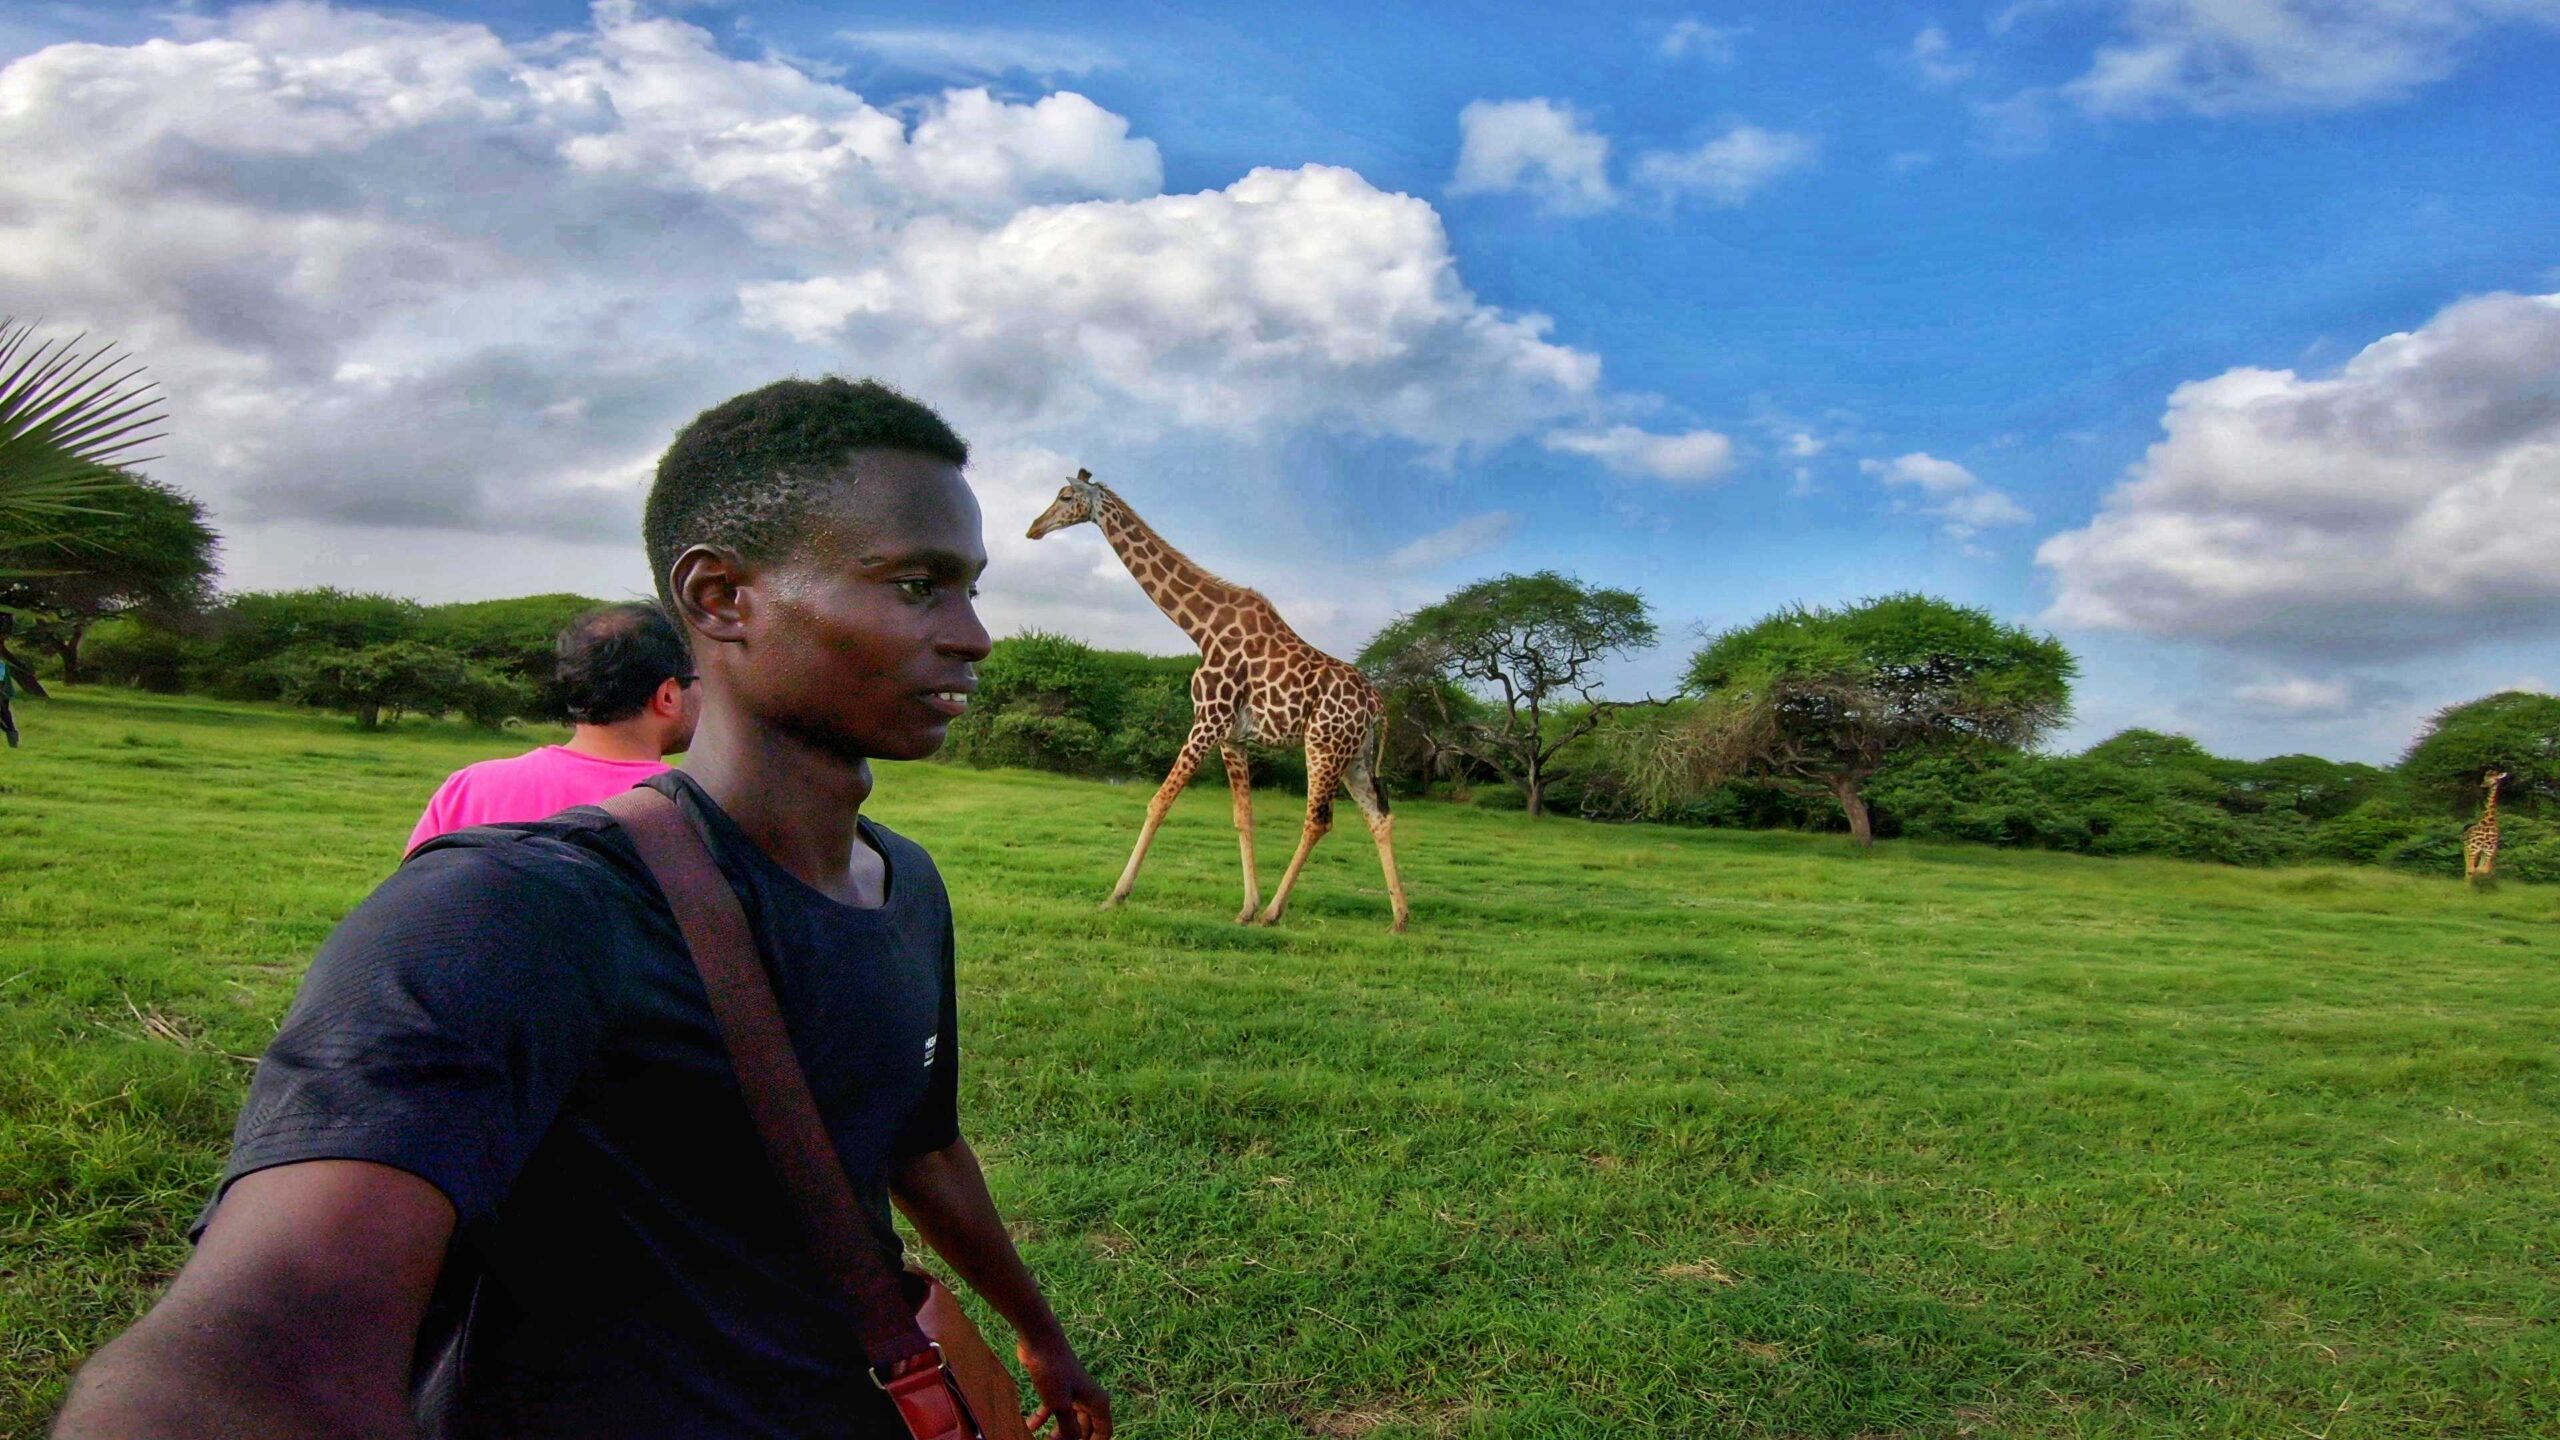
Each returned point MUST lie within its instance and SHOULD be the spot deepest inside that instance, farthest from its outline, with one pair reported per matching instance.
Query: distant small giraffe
(1257, 681)
(2480, 842)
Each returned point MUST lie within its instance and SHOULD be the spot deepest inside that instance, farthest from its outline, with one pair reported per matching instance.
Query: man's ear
(668, 702)
(710, 588)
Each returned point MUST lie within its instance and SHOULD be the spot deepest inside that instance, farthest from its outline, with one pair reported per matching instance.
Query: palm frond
(70, 417)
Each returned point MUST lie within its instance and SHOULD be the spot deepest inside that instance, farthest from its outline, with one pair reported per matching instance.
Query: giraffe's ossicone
(1257, 681)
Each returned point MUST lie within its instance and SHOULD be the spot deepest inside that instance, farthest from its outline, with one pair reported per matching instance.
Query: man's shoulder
(910, 864)
(463, 782)
(502, 765)
(578, 852)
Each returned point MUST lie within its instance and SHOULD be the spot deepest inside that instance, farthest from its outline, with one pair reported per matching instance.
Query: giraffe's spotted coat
(1257, 681)
(2480, 840)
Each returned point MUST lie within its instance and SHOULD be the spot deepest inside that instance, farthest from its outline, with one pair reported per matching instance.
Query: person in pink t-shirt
(628, 681)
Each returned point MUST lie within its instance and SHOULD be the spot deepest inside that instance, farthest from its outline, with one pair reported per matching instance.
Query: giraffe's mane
(1175, 551)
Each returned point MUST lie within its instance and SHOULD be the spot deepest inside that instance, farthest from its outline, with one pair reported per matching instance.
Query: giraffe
(2480, 841)
(1257, 680)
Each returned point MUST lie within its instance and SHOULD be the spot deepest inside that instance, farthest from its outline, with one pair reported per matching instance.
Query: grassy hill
(1639, 1131)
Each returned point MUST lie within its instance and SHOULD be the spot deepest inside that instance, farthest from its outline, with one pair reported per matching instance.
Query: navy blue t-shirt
(513, 1018)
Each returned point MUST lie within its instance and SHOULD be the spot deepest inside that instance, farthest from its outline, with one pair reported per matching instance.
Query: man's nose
(968, 639)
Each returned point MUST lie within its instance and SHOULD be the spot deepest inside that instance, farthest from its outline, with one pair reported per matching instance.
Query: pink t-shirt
(526, 787)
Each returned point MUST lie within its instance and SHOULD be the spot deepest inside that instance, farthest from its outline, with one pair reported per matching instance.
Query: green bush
(2316, 789)
(1155, 718)
(382, 682)
(2184, 830)
(2514, 731)
(253, 633)
(1031, 740)
(2137, 794)
(2436, 852)
(2365, 834)
(129, 652)
(513, 639)
(2535, 860)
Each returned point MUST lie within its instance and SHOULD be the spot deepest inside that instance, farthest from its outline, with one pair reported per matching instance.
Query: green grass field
(1639, 1131)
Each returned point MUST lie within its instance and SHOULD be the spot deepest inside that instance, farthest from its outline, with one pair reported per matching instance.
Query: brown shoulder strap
(777, 1093)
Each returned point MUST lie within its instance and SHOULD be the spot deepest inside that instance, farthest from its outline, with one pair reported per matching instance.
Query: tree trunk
(1537, 790)
(369, 717)
(1854, 805)
(67, 649)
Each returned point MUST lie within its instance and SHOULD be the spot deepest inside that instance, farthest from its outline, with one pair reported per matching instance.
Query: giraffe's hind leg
(1370, 794)
(1204, 733)
(1324, 776)
(1240, 786)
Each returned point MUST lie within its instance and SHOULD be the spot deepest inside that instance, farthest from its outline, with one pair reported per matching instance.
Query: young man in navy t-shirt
(495, 1177)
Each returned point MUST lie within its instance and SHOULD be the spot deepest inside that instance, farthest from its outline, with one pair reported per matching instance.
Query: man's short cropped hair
(610, 660)
(744, 474)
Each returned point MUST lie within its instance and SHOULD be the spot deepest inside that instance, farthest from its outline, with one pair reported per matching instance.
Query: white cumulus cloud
(404, 275)
(2297, 694)
(1692, 38)
(1955, 497)
(1729, 168)
(965, 53)
(2218, 57)
(1534, 147)
(1291, 296)
(1471, 536)
(1692, 457)
(2411, 501)
(1934, 57)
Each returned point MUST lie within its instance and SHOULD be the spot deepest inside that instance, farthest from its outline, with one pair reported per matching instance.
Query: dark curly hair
(610, 660)
(744, 474)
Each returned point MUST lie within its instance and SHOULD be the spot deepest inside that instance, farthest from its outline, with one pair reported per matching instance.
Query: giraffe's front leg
(1240, 786)
(1204, 733)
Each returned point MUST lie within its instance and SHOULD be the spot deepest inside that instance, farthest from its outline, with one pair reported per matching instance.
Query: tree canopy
(2516, 731)
(389, 680)
(135, 545)
(1815, 696)
(1530, 648)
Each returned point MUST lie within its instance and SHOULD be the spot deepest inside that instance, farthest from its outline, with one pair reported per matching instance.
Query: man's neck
(633, 739)
(800, 805)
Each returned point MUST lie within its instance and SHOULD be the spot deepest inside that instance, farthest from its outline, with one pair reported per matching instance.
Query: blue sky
(1741, 305)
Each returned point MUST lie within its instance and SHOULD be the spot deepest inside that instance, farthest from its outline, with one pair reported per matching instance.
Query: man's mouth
(949, 702)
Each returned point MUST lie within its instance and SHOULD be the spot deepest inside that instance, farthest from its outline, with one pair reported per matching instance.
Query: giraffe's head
(1079, 501)
(2493, 779)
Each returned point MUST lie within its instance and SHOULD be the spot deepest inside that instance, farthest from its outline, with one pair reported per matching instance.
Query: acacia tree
(135, 546)
(382, 681)
(1820, 698)
(1530, 648)
(2514, 731)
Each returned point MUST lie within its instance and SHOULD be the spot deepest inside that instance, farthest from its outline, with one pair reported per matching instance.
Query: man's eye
(917, 587)
(973, 592)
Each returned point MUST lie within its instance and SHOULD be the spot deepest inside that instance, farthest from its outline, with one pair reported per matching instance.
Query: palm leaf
(69, 419)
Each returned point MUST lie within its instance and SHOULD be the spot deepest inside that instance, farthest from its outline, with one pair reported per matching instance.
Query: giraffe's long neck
(2489, 812)
(1187, 594)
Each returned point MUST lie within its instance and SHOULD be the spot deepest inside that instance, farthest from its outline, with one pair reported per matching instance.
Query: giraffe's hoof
(1114, 902)
(1245, 916)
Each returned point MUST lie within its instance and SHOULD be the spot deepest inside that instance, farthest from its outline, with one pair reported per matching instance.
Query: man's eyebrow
(935, 561)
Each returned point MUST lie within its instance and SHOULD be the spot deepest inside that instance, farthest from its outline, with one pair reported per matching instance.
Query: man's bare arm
(943, 1194)
(296, 1318)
